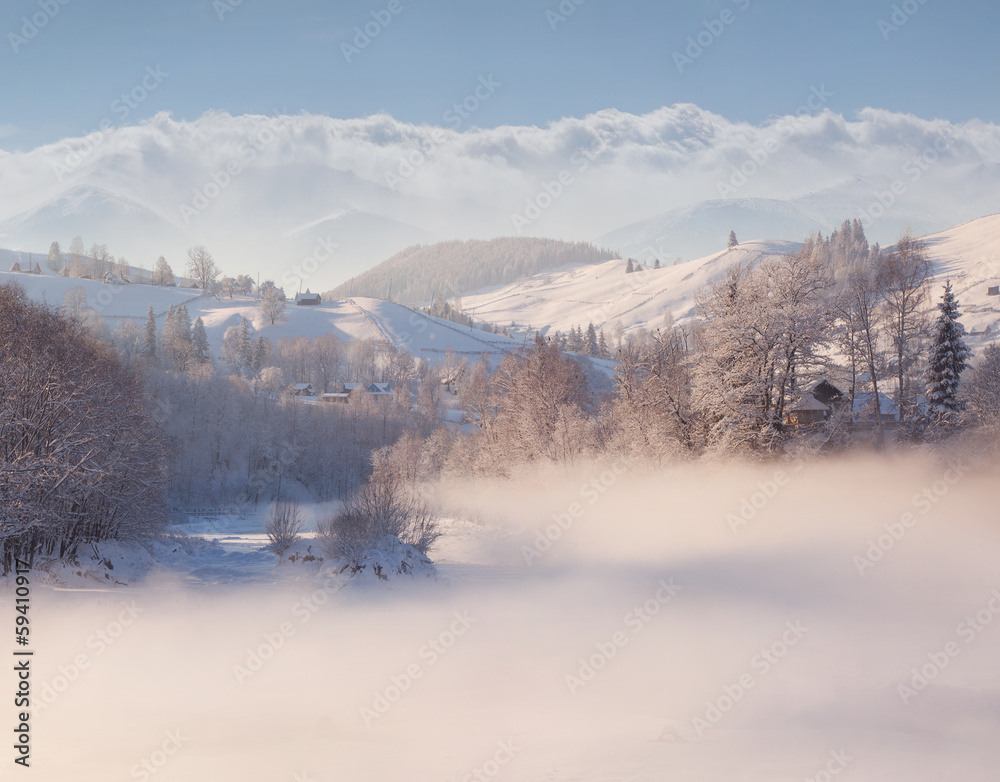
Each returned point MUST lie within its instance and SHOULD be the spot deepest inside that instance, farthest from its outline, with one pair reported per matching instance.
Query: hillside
(603, 294)
(423, 272)
(968, 254)
(348, 319)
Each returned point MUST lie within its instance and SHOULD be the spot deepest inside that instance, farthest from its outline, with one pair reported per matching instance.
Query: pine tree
(55, 257)
(602, 346)
(199, 339)
(149, 336)
(591, 344)
(656, 263)
(732, 239)
(245, 350)
(629, 268)
(949, 357)
(259, 353)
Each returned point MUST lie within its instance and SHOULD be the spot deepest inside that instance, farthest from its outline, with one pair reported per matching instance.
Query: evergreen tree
(149, 335)
(591, 346)
(629, 268)
(55, 257)
(949, 357)
(732, 239)
(199, 339)
(259, 353)
(245, 350)
(656, 263)
(602, 346)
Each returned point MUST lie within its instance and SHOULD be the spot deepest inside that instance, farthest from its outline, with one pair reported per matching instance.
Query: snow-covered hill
(348, 318)
(968, 254)
(603, 294)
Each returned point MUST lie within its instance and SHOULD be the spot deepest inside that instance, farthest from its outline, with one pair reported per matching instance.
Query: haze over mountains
(263, 193)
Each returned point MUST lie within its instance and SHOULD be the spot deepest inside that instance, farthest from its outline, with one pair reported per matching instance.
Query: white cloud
(464, 183)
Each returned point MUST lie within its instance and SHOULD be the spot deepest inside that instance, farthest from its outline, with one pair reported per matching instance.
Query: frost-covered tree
(948, 359)
(201, 267)
(77, 258)
(176, 338)
(162, 273)
(732, 239)
(55, 257)
(905, 272)
(983, 387)
(272, 305)
(629, 267)
(284, 523)
(149, 335)
(80, 459)
(199, 341)
(101, 260)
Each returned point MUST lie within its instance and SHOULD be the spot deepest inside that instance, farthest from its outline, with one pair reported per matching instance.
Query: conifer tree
(199, 339)
(949, 357)
(149, 334)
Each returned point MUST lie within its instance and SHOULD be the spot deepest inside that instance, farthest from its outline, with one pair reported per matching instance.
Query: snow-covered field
(785, 621)
(348, 319)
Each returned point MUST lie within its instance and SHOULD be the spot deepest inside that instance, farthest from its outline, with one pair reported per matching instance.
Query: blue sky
(264, 56)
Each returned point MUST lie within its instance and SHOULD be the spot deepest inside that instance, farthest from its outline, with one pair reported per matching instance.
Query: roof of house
(380, 388)
(302, 386)
(809, 402)
(863, 400)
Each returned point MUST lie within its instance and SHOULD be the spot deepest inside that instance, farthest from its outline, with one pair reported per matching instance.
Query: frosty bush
(80, 458)
(381, 508)
(284, 523)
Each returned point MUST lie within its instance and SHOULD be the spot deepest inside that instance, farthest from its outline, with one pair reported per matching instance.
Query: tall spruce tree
(199, 339)
(149, 334)
(949, 357)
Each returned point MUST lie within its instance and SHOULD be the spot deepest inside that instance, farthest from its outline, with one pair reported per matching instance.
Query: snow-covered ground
(348, 319)
(697, 623)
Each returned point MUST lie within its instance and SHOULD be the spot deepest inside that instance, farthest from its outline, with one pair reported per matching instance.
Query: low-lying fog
(817, 621)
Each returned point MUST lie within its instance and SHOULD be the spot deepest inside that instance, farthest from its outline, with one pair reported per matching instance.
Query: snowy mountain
(262, 193)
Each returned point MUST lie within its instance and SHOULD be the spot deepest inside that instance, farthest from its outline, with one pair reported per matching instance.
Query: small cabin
(993, 290)
(308, 299)
(303, 389)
